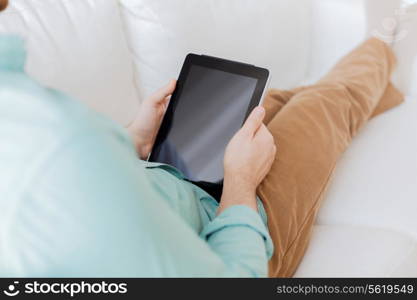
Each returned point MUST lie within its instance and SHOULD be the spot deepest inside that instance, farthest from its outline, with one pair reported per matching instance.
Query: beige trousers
(312, 127)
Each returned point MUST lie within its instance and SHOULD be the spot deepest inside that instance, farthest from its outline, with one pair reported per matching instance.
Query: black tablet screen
(211, 108)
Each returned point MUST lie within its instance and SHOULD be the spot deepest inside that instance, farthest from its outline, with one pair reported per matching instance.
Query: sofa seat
(359, 251)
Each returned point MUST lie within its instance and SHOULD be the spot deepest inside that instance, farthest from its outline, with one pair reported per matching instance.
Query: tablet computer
(211, 101)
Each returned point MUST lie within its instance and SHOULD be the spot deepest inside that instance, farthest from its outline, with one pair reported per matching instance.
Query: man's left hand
(145, 126)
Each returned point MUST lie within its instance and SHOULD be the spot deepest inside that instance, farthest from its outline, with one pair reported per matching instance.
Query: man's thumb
(254, 120)
(164, 92)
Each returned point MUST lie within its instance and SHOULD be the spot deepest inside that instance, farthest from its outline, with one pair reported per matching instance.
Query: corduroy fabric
(313, 126)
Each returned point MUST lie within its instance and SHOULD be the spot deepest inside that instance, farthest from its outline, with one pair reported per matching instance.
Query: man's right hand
(248, 158)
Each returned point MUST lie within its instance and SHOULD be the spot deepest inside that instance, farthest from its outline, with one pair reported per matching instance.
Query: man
(78, 201)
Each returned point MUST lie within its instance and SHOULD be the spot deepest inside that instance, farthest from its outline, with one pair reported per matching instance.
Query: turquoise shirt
(76, 201)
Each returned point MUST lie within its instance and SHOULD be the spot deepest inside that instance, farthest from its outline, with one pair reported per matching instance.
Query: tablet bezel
(243, 69)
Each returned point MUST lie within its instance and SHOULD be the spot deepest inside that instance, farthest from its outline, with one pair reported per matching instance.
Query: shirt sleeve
(91, 212)
(240, 237)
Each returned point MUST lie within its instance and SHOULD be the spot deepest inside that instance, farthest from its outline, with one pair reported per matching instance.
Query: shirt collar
(12, 53)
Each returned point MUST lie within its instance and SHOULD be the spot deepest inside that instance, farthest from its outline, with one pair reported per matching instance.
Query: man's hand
(248, 158)
(145, 126)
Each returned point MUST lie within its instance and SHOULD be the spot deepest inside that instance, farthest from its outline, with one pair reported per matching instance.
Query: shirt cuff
(239, 215)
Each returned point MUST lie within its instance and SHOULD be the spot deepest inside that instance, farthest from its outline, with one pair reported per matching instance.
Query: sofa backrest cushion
(77, 46)
(271, 34)
(338, 26)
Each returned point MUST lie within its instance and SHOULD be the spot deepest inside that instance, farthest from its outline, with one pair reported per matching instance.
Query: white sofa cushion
(344, 251)
(338, 26)
(358, 20)
(375, 182)
(77, 46)
(272, 34)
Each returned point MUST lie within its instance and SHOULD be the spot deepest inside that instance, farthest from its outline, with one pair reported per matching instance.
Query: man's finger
(164, 92)
(254, 120)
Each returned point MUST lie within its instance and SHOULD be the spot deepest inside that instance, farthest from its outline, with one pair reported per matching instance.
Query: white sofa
(110, 54)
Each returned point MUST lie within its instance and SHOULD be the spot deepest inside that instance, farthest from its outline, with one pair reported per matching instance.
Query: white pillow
(272, 34)
(77, 46)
